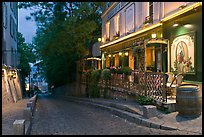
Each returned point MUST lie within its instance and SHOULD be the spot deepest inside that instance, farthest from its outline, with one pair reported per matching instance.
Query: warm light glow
(120, 53)
(107, 29)
(102, 39)
(109, 55)
(161, 35)
(99, 39)
(126, 53)
(175, 25)
(132, 34)
(114, 55)
(117, 23)
(93, 58)
(154, 35)
(188, 26)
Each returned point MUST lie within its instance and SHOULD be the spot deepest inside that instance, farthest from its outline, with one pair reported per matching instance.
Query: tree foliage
(66, 30)
(25, 50)
(26, 55)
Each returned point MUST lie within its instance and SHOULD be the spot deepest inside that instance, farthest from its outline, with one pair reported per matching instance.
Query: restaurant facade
(153, 36)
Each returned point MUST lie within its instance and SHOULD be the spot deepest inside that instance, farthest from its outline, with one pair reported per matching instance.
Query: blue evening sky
(26, 27)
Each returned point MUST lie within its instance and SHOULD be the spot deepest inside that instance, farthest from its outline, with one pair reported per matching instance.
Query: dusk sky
(26, 27)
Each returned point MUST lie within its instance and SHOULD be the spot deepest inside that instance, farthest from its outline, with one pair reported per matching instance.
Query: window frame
(5, 16)
(11, 26)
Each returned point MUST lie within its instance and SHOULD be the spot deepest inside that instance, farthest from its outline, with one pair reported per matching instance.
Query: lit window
(108, 29)
(151, 12)
(117, 23)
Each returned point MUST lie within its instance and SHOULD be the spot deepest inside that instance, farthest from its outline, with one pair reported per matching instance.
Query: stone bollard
(19, 127)
(27, 113)
(149, 111)
(30, 104)
(32, 100)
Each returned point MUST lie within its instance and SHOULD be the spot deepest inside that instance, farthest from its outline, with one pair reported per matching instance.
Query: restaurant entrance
(156, 57)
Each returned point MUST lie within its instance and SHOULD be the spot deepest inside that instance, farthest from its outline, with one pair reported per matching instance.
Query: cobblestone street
(59, 116)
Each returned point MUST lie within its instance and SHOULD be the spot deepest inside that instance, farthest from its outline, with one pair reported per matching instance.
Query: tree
(66, 30)
(26, 55)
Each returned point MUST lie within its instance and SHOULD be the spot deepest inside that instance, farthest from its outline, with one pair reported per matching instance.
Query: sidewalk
(10, 113)
(133, 112)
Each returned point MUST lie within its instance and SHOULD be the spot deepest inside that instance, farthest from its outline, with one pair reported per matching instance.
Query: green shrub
(119, 71)
(95, 75)
(144, 100)
(93, 87)
(113, 70)
(127, 70)
(105, 74)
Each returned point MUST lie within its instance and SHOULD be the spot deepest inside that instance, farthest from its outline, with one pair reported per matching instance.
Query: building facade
(10, 30)
(153, 36)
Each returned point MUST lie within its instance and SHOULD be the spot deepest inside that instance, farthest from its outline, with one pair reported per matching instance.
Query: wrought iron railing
(151, 84)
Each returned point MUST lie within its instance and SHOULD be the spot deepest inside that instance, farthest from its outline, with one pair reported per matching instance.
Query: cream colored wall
(8, 41)
(172, 7)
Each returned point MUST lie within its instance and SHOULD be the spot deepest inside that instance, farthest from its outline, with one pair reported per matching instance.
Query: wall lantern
(175, 24)
(126, 53)
(109, 55)
(188, 26)
(114, 55)
(99, 39)
(161, 35)
(120, 53)
(154, 35)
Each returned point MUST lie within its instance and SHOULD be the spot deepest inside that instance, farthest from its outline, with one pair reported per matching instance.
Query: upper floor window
(149, 18)
(12, 5)
(5, 12)
(108, 31)
(151, 11)
(11, 26)
(117, 24)
(130, 19)
(15, 31)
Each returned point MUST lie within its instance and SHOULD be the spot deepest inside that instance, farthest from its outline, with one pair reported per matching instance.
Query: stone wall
(11, 89)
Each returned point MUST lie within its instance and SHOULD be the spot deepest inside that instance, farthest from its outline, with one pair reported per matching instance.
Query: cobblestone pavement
(57, 116)
(10, 113)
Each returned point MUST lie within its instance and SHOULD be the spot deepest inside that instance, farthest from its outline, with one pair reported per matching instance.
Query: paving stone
(65, 117)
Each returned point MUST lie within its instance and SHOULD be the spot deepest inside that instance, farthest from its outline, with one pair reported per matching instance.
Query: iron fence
(151, 84)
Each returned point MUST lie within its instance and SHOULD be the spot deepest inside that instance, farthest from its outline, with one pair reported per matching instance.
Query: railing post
(19, 127)
(164, 94)
(145, 83)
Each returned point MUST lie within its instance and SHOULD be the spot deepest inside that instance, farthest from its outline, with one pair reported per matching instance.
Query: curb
(123, 113)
